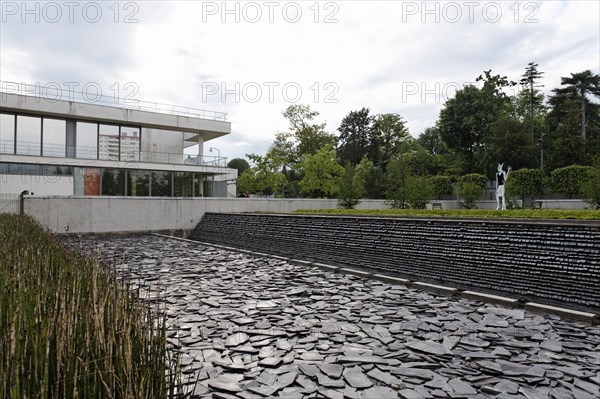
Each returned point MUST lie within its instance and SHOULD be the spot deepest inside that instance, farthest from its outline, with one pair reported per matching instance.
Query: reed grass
(70, 328)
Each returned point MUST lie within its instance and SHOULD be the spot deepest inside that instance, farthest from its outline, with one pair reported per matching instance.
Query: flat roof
(208, 123)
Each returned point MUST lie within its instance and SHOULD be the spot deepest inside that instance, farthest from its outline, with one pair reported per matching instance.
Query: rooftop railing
(53, 92)
(91, 153)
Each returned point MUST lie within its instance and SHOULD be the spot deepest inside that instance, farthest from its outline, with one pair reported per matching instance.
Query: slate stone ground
(254, 327)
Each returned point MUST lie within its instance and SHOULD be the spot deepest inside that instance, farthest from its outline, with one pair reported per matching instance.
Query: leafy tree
(246, 182)
(591, 187)
(355, 136)
(471, 188)
(405, 188)
(419, 191)
(510, 143)
(466, 120)
(309, 136)
(431, 140)
(397, 178)
(459, 126)
(350, 193)
(570, 179)
(264, 177)
(475, 178)
(525, 183)
(440, 186)
(369, 180)
(282, 152)
(321, 173)
(240, 164)
(388, 133)
(470, 193)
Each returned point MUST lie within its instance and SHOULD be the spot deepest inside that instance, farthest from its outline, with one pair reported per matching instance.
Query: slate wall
(551, 262)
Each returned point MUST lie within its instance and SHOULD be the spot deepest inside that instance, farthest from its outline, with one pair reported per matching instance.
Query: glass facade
(87, 140)
(7, 134)
(121, 182)
(138, 183)
(108, 140)
(161, 184)
(130, 143)
(183, 184)
(54, 134)
(29, 135)
(113, 182)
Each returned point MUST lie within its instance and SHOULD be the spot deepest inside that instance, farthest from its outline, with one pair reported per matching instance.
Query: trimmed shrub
(524, 183)
(471, 188)
(440, 185)
(570, 179)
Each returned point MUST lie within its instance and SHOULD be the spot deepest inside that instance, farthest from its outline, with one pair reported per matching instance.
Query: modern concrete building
(52, 146)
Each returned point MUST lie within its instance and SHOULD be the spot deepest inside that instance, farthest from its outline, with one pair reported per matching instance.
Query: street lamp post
(218, 153)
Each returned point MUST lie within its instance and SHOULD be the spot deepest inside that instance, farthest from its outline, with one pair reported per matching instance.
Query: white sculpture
(501, 178)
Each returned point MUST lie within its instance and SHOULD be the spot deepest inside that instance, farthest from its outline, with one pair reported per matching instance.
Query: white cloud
(390, 56)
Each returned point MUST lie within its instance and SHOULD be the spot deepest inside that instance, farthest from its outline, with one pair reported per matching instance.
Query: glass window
(113, 182)
(138, 183)
(109, 142)
(54, 137)
(161, 184)
(183, 184)
(130, 143)
(199, 181)
(29, 135)
(56, 170)
(21, 169)
(7, 134)
(87, 140)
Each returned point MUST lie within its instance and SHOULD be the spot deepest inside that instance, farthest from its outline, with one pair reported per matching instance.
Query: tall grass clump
(69, 328)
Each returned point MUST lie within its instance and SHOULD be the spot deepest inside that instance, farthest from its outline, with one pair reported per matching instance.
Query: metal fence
(10, 203)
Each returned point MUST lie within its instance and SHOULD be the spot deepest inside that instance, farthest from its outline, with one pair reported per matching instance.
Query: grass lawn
(470, 213)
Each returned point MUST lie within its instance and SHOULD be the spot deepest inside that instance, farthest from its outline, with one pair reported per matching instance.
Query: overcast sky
(253, 59)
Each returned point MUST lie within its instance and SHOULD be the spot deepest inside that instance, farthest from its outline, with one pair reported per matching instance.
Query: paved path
(252, 327)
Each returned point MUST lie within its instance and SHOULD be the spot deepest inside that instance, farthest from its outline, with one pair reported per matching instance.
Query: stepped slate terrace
(256, 327)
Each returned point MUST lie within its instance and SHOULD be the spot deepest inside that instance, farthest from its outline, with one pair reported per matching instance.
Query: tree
(529, 78)
(471, 188)
(570, 179)
(388, 133)
(466, 120)
(263, 178)
(525, 183)
(405, 188)
(397, 179)
(349, 194)
(578, 87)
(355, 135)
(309, 136)
(369, 180)
(459, 126)
(591, 187)
(240, 164)
(321, 172)
(440, 186)
(431, 140)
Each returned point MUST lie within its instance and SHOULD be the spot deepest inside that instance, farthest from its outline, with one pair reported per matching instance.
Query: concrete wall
(547, 261)
(48, 185)
(118, 214)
